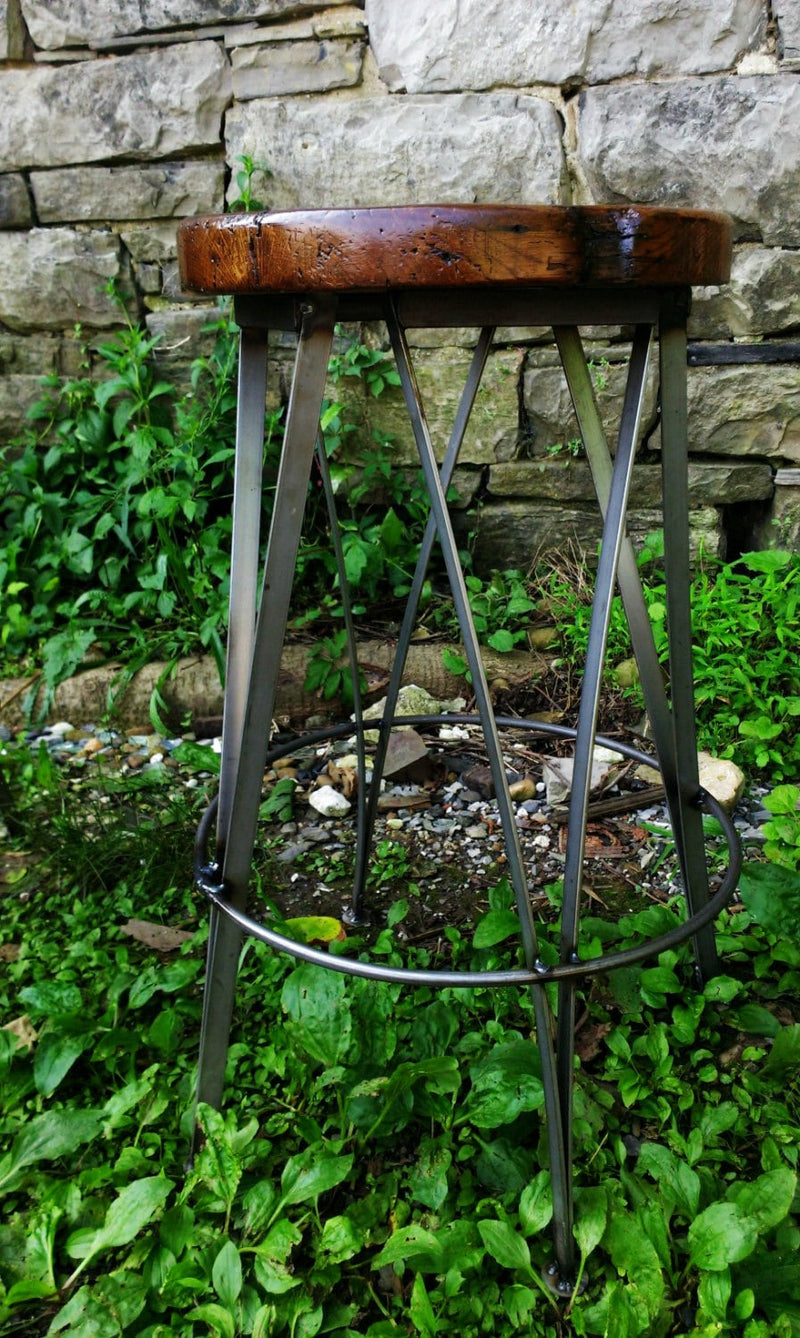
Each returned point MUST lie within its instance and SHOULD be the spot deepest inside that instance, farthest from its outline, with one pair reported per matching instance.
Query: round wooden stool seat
(448, 246)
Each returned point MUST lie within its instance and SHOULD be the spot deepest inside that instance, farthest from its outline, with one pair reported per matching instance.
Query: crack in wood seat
(449, 246)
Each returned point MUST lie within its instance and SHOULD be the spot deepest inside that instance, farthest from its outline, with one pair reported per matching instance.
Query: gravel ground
(440, 843)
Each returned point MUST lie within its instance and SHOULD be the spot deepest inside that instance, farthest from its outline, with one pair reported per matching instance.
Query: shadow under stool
(438, 267)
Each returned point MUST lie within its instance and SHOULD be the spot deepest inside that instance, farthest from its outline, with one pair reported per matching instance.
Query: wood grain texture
(452, 246)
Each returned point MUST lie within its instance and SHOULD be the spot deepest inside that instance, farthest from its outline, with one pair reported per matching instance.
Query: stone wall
(117, 119)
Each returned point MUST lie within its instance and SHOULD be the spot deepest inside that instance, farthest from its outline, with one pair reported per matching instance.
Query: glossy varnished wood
(452, 246)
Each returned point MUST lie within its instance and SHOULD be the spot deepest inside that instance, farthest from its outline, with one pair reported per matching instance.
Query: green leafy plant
(745, 623)
(113, 512)
(382, 1164)
(245, 201)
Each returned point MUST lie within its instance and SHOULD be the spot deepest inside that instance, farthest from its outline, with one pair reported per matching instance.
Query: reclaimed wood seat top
(452, 246)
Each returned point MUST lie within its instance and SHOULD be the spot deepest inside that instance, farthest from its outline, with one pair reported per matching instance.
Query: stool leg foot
(224, 943)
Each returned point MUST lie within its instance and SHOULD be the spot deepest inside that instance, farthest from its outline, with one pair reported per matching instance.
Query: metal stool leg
(672, 345)
(223, 936)
(238, 838)
(657, 706)
(559, 1168)
(364, 825)
(409, 617)
(587, 718)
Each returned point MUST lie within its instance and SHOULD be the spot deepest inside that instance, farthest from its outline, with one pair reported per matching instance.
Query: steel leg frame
(613, 532)
(364, 825)
(235, 840)
(450, 459)
(675, 490)
(254, 659)
(222, 953)
(559, 1167)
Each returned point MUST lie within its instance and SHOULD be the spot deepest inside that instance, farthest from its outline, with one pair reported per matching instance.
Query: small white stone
(61, 728)
(722, 778)
(328, 802)
(453, 733)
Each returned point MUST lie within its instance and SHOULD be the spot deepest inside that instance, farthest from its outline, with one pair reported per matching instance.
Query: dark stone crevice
(742, 524)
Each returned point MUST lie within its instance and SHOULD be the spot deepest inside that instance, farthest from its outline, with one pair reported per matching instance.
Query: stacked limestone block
(117, 119)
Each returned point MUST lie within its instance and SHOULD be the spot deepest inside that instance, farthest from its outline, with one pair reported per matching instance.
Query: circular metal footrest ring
(208, 879)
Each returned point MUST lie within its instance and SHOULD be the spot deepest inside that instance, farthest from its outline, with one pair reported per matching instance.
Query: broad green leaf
(760, 727)
(519, 1303)
(784, 1057)
(226, 1275)
(660, 980)
(536, 1204)
(412, 1242)
(502, 640)
(315, 928)
(745, 1303)
(768, 1200)
(132, 1209)
(505, 1245)
(716, 1120)
(197, 757)
(768, 560)
(318, 1009)
(503, 1167)
(428, 1178)
(755, 1021)
(280, 1240)
(54, 1056)
(216, 1165)
(311, 1173)
(494, 927)
(721, 1235)
(220, 1321)
(105, 1310)
(341, 1239)
(714, 1293)
(721, 989)
(176, 1228)
(631, 1249)
(259, 1203)
(127, 1098)
(420, 1310)
(459, 1246)
(772, 896)
(274, 1276)
(52, 998)
(677, 1182)
(392, 530)
(591, 1210)
(47, 1137)
(504, 1084)
(783, 799)
(625, 1317)
(20, 1293)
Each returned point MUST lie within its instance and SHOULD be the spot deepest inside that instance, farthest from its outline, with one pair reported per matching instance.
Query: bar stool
(454, 266)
